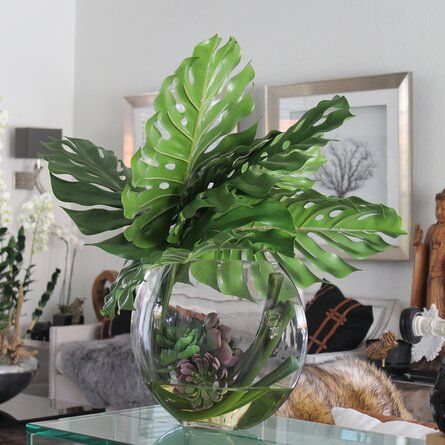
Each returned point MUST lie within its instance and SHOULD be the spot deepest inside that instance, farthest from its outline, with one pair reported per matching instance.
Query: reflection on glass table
(154, 426)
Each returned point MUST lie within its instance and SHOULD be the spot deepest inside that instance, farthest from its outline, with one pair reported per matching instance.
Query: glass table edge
(70, 436)
(39, 428)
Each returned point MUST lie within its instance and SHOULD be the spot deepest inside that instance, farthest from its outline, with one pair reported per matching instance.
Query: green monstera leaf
(198, 105)
(198, 190)
(96, 179)
(316, 226)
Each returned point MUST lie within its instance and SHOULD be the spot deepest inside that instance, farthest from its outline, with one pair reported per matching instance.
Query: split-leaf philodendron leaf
(198, 189)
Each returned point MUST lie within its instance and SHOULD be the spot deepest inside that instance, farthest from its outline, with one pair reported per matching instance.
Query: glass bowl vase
(220, 344)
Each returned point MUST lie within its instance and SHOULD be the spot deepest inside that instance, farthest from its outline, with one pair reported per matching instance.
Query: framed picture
(137, 109)
(371, 155)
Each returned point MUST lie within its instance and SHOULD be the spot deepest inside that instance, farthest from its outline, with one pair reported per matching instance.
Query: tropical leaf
(289, 151)
(349, 225)
(97, 178)
(121, 295)
(88, 165)
(197, 191)
(198, 105)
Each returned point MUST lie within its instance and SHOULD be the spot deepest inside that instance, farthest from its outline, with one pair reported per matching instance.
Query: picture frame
(136, 109)
(377, 141)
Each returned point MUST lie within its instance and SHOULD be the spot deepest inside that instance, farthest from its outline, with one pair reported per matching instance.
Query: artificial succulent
(202, 380)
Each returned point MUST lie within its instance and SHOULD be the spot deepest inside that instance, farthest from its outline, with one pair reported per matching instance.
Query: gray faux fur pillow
(106, 372)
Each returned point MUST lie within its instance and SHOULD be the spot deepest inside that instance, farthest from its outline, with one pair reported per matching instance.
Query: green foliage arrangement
(15, 282)
(198, 190)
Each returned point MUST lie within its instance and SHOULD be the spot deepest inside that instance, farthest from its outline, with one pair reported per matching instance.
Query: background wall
(37, 86)
(125, 48)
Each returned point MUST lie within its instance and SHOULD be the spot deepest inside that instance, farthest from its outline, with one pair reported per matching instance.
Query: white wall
(37, 85)
(124, 48)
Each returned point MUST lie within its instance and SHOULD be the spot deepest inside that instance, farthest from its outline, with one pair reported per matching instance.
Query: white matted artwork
(370, 156)
(137, 109)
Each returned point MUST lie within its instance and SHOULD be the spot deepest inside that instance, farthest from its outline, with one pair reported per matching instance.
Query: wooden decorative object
(378, 350)
(435, 439)
(15, 349)
(428, 285)
(100, 289)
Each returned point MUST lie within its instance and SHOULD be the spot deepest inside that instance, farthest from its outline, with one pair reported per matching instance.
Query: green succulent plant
(178, 345)
(197, 190)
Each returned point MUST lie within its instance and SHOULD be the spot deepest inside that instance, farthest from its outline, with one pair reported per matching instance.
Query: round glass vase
(220, 344)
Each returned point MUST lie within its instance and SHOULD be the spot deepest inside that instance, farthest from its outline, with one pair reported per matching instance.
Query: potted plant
(17, 364)
(210, 222)
(69, 312)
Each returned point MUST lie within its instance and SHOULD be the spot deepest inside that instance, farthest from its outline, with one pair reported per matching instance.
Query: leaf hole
(308, 205)
(180, 107)
(150, 161)
(213, 145)
(319, 217)
(164, 185)
(210, 185)
(277, 139)
(335, 213)
(191, 77)
(368, 215)
(170, 166)
(122, 177)
(164, 133)
(184, 122)
(68, 149)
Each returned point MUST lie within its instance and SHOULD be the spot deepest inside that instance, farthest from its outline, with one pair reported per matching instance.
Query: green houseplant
(197, 204)
(17, 363)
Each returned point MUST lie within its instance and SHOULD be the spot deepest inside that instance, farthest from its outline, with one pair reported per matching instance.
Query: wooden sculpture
(428, 286)
(100, 289)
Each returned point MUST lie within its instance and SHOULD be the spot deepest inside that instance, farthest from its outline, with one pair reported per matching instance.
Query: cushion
(105, 371)
(386, 313)
(350, 418)
(336, 323)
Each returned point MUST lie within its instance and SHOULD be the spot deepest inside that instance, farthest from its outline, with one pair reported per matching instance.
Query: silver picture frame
(136, 109)
(398, 131)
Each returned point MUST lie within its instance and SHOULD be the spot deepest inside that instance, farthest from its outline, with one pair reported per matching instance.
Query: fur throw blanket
(346, 383)
(106, 372)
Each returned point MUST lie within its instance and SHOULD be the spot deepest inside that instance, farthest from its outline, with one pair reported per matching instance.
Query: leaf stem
(289, 366)
(166, 293)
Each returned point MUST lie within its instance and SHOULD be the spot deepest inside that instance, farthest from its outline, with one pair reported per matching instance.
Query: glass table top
(153, 425)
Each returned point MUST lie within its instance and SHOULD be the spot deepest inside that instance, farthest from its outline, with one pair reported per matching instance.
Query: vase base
(208, 426)
(225, 422)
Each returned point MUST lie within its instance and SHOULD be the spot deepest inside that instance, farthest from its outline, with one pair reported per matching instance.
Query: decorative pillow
(349, 418)
(336, 323)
